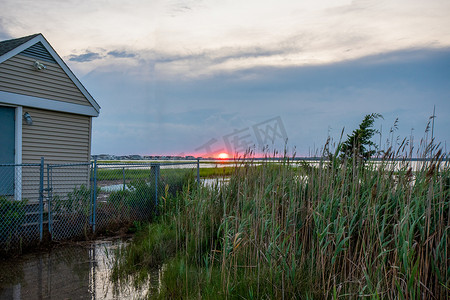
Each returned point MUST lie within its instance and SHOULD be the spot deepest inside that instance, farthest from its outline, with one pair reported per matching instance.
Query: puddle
(114, 188)
(70, 272)
(211, 182)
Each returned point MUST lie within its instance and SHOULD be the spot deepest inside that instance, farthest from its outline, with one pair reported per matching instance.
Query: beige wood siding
(18, 75)
(60, 138)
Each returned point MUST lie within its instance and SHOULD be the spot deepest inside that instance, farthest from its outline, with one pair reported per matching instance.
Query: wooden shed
(45, 111)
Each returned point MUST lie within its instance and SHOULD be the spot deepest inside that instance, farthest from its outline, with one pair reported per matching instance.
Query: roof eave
(61, 63)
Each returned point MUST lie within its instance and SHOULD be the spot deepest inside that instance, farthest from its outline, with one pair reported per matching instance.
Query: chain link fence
(69, 200)
(131, 192)
(21, 214)
(75, 200)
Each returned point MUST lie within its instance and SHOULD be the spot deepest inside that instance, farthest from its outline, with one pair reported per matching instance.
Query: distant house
(45, 111)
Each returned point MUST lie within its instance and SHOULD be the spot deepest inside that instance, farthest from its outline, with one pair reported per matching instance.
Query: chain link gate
(70, 209)
(89, 197)
(125, 193)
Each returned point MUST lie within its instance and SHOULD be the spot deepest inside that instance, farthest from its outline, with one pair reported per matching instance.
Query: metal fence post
(198, 172)
(123, 175)
(50, 195)
(155, 173)
(41, 199)
(94, 196)
(91, 190)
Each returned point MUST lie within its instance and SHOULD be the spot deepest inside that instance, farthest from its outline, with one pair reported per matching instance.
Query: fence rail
(72, 200)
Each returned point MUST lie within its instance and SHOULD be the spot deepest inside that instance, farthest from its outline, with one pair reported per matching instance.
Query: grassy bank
(340, 230)
(133, 174)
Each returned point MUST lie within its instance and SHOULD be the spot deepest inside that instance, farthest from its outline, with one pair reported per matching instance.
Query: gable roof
(10, 48)
(6, 46)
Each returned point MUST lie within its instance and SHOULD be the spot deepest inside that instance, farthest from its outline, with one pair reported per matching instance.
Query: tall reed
(336, 229)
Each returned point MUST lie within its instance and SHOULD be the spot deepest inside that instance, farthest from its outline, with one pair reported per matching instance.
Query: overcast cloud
(172, 75)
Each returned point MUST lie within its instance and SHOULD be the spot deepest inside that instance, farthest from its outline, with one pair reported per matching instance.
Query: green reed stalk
(282, 230)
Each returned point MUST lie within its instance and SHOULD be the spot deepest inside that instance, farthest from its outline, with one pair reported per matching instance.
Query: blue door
(7, 146)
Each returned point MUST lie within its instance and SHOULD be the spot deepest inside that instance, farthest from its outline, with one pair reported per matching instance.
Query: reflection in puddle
(212, 182)
(71, 272)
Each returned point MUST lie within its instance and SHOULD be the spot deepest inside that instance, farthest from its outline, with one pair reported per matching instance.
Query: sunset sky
(198, 77)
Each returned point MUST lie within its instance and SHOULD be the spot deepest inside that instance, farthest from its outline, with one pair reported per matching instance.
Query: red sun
(223, 155)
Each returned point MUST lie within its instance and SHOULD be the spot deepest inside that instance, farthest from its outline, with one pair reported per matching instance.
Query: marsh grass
(216, 172)
(277, 230)
(137, 174)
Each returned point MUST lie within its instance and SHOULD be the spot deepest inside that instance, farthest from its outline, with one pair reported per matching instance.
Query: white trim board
(18, 135)
(61, 63)
(18, 153)
(42, 103)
